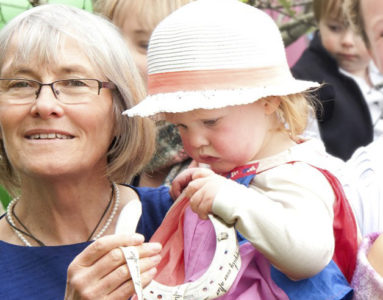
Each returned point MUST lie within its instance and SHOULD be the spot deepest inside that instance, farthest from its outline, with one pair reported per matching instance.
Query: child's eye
(181, 126)
(210, 122)
(144, 45)
(335, 28)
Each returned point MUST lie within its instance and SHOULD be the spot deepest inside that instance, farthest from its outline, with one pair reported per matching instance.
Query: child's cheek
(187, 147)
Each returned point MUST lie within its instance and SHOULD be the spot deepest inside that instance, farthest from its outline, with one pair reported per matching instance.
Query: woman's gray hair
(39, 32)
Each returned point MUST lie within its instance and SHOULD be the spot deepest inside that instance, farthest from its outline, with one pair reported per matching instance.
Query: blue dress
(40, 272)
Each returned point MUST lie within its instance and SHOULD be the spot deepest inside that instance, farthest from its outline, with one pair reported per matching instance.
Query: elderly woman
(65, 77)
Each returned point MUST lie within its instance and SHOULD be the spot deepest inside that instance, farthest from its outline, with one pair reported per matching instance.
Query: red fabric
(344, 227)
(171, 269)
(170, 234)
(345, 230)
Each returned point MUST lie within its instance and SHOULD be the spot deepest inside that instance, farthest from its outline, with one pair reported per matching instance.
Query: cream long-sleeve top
(362, 181)
(287, 210)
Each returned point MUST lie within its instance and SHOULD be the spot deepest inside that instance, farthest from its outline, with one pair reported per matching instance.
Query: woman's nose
(46, 105)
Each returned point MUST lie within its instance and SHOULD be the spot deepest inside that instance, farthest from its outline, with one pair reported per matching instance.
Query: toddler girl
(218, 71)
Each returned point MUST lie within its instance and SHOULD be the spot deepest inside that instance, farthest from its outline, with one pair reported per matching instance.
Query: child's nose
(197, 139)
(348, 38)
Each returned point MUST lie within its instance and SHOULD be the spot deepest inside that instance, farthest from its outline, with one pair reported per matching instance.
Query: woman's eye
(75, 83)
(19, 84)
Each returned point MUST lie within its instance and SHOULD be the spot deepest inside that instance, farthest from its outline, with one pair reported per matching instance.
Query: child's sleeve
(286, 214)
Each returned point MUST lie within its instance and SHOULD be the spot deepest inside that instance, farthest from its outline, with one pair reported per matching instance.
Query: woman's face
(47, 138)
(373, 18)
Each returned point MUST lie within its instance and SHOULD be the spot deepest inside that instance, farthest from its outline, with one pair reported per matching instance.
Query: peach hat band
(216, 79)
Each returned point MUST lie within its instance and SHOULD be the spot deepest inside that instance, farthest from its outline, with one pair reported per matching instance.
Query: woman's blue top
(40, 272)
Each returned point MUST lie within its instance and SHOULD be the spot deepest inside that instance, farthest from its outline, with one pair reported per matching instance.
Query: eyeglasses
(68, 91)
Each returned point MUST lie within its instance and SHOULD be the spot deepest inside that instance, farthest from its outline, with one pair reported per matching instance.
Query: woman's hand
(101, 272)
(201, 186)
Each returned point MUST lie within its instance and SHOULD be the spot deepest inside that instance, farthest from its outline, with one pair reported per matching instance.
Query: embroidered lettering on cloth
(243, 171)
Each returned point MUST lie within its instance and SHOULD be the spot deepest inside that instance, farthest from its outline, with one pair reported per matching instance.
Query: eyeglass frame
(101, 84)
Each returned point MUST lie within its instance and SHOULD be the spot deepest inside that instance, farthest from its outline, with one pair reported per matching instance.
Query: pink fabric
(367, 283)
(254, 278)
(170, 271)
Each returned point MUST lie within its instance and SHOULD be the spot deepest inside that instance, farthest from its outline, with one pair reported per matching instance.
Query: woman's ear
(271, 104)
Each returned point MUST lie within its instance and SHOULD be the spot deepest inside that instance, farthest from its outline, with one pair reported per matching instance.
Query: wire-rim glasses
(68, 91)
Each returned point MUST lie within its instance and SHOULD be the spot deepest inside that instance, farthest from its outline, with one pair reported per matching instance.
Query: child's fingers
(201, 202)
(201, 173)
(194, 186)
(180, 182)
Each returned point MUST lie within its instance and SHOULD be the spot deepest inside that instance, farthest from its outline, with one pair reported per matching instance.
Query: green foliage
(11, 8)
(4, 197)
(286, 4)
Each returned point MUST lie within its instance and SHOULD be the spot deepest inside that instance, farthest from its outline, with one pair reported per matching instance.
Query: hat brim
(183, 101)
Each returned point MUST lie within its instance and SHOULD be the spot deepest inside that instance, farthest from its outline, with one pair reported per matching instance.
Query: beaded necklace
(21, 233)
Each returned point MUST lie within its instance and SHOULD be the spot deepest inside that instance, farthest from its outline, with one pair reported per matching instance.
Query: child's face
(137, 37)
(373, 18)
(223, 138)
(346, 47)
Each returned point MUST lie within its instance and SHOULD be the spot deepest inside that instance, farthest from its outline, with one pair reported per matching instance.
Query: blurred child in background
(338, 57)
(137, 19)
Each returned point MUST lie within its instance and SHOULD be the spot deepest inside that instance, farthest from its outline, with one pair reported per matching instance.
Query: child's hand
(180, 182)
(200, 186)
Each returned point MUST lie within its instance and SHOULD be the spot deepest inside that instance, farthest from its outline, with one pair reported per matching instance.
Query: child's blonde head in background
(136, 20)
(148, 12)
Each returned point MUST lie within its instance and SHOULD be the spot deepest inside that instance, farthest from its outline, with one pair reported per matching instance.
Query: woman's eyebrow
(22, 70)
(70, 69)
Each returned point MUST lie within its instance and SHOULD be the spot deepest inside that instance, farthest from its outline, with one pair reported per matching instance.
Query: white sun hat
(215, 53)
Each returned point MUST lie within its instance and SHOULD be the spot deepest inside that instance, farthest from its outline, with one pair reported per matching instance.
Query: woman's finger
(126, 290)
(84, 281)
(122, 274)
(115, 258)
(104, 245)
